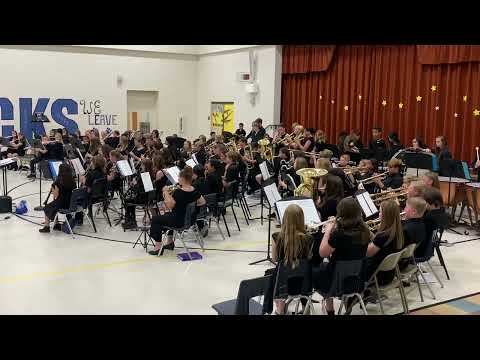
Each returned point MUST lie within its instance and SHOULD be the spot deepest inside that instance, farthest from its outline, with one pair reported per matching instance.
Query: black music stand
(40, 207)
(266, 183)
(150, 197)
(451, 168)
(419, 160)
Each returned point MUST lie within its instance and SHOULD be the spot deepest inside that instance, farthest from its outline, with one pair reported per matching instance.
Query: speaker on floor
(5, 204)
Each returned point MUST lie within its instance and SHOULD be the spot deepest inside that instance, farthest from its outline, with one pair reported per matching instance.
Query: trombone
(388, 195)
(373, 225)
(369, 179)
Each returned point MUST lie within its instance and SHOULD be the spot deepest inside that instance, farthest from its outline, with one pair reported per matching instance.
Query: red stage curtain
(362, 76)
(302, 59)
(447, 54)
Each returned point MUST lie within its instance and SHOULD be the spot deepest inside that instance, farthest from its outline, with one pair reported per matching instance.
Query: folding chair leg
(379, 297)
(185, 246)
(362, 304)
(419, 287)
(70, 228)
(240, 204)
(435, 274)
(426, 283)
(226, 226)
(105, 212)
(90, 220)
(442, 262)
(341, 305)
(199, 240)
(220, 229)
(235, 216)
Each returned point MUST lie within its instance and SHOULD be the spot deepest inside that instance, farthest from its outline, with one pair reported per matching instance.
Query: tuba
(310, 178)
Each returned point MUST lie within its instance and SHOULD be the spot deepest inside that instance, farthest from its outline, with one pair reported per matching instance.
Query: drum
(457, 190)
(473, 197)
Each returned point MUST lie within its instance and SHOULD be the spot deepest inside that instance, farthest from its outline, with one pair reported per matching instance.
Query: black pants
(159, 223)
(35, 161)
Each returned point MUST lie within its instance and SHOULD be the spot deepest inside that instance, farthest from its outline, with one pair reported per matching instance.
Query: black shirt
(444, 154)
(311, 146)
(377, 149)
(92, 176)
(139, 152)
(394, 148)
(55, 150)
(112, 141)
(346, 247)
(256, 136)
(201, 185)
(64, 194)
(214, 183)
(393, 181)
(414, 231)
(232, 173)
(328, 209)
(182, 199)
(433, 220)
(201, 157)
(386, 247)
(241, 132)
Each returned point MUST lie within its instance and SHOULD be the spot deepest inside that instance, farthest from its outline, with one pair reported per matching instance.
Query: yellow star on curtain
(400, 106)
(455, 115)
(345, 108)
(359, 97)
(464, 98)
(384, 102)
(434, 88)
(476, 112)
(419, 98)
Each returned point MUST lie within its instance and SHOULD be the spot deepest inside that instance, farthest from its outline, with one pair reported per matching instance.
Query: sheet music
(308, 206)
(191, 163)
(194, 159)
(54, 168)
(172, 174)
(124, 168)
(147, 182)
(81, 156)
(264, 170)
(6, 162)
(77, 166)
(272, 194)
(366, 203)
(132, 166)
(3, 148)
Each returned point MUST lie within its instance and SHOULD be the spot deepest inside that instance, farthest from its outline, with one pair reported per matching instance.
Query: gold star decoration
(400, 106)
(359, 97)
(455, 115)
(434, 88)
(419, 98)
(476, 112)
(320, 97)
(333, 101)
(437, 108)
(345, 108)
(464, 98)
(384, 102)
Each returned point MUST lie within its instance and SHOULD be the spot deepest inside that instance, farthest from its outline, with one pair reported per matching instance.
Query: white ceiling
(175, 49)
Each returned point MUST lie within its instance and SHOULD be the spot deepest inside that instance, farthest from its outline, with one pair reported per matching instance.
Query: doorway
(142, 110)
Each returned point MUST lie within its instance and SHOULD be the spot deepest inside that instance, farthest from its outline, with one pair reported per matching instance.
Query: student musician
(320, 141)
(123, 146)
(344, 161)
(282, 160)
(199, 181)
(430, 179)
(254, 170)
(299, 163)
(187, 150)
(441, 149)
(177, 203)
(414, 227)
(394, 179)
(16, 147)
(435, 217)
(367, 170)
(213, 176)
(352, 142)
(307, 143)
(93, 149)
(113, 175)
(418, 144)
(95, 172)
(240, 132)
(341, 141)
(200, 153)
(138, 195)
(415, 189)
(291, 245)
(52, 150)
(345, 238)
(232, 173)
(377, 146)
(139, 151)
(394, 144)
(278, 140)
(257, 133)
(330, 194)
(61, 191)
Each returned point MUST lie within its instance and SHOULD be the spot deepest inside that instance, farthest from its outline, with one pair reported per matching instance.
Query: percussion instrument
(456, 194)
(473, 197)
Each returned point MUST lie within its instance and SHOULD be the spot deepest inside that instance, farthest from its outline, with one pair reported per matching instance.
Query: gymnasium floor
(103, 274)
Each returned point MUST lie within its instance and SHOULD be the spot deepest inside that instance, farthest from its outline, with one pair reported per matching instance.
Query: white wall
(186, 84)
(217, 82)
(59, 74)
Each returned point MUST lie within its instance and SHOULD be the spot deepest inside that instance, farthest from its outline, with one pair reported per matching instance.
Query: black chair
(210, 212)
(226, 200)
(428, 251)
(437, 240)
(244, 304)
(241, 199)
(99, 196)
(294, 284)
(348, 281)
(190, 221)
(78, 204)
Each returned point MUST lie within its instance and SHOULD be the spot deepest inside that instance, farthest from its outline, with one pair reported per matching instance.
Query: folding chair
(99, 196)
(437, 240)
(78, 204)
(187, 225)
(210, 212)
(390, 263)
(427, 255)
(226, 200)
(244, 303)
(412, 269)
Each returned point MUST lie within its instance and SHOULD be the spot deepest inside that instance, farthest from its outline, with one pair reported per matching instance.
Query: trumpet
(369, 179)
(170, 189)
(373, 225)
(232, 145)
(389, 195)
(313, 228)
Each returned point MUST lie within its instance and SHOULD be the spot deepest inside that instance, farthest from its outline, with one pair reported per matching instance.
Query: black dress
(386, 247)
(62, 202)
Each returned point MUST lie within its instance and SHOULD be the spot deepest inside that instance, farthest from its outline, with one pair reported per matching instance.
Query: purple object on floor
(194, 256)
